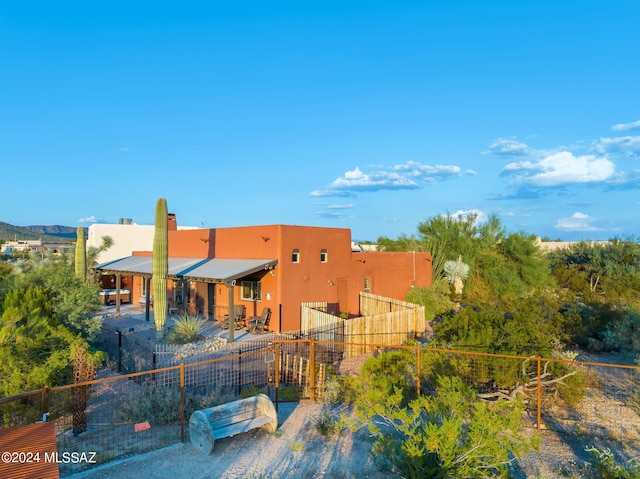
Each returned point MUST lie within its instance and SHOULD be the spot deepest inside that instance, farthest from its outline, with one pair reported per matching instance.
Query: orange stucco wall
(337, 281)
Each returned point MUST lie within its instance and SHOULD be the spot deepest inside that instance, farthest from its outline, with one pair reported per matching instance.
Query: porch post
(232, 311)
(147, 281)
(118, 286)
(185, 294)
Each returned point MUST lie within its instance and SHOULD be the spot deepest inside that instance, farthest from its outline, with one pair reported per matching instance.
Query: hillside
(54, 230)
(10, 232)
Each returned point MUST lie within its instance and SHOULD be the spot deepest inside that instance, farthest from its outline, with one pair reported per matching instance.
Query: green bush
(447, 435)
(605, 466)
(383, 374)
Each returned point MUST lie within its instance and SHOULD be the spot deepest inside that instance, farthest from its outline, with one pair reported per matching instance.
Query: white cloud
(509, 147)
(340, 207)
(562, 168)
(625, 144)
(409, 175)
(626, 126)
(419, 170)
(577, 222)
(88, 219)
(480, 215)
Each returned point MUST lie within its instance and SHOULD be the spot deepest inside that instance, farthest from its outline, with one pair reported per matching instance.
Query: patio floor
(132, 320)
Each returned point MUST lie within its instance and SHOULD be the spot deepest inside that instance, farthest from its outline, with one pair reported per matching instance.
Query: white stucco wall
(126, 239)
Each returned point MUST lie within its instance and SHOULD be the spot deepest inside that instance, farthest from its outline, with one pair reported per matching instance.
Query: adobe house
(274, 266)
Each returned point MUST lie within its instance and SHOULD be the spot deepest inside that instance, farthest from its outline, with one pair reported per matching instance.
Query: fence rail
(586, 398)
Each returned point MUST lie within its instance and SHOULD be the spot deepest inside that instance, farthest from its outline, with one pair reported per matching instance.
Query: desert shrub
(187, 328)
(205, 397)
(332, 390)
(329, 421)
(436, 299)
(622, 335)
(156, 404)
(605, 466)
(447, 435)
(570, 390)
(250, 391)
(350, 388)
(383, 374)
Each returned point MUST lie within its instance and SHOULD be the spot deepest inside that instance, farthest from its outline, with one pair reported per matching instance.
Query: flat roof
(206, 270)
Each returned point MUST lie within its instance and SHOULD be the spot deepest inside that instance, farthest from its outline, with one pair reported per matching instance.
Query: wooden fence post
(277, 368)
(45, 400)
(312, 369)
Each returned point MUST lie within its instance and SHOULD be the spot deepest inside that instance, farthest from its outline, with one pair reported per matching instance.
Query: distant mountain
(55, 230)
(10, 232)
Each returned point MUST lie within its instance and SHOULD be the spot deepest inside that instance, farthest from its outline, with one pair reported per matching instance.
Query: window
(323, 255)
(367, 284)
(295, 256)
(250, 290)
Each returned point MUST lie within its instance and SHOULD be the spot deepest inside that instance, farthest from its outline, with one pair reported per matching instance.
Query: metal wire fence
(124, 415)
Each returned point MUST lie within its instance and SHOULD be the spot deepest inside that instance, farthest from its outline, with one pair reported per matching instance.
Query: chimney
(172, 224)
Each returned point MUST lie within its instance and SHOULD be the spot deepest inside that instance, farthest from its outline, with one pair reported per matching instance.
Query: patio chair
(259, 324)
(241, 315)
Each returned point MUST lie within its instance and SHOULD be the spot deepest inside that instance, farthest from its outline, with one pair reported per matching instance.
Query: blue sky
(369, 115)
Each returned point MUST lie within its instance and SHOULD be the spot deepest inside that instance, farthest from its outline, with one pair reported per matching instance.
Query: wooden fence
(296, 370)
(382, 321)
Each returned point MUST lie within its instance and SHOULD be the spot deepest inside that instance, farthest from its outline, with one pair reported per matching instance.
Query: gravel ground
(296, 450)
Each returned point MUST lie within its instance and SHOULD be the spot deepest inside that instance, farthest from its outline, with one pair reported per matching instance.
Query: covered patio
(187, 274)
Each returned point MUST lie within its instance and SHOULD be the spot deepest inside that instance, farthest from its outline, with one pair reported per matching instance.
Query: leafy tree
(499, 263)
(610, 270)
(436, 299)
(35, 347)
(74, 300)
(527, 326)
(525, 259)
(92, 257)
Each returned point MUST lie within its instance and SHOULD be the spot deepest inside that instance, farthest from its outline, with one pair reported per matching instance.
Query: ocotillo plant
(160, 266)
(81, 254)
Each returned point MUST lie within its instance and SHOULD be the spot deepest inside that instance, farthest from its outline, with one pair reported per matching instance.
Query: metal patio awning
(205, 270)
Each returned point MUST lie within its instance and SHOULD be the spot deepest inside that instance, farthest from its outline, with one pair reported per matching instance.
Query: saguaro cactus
(160, 266)
(81, 254)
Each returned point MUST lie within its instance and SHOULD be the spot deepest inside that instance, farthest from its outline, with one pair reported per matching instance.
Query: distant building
(38, 246)
(547, 246)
